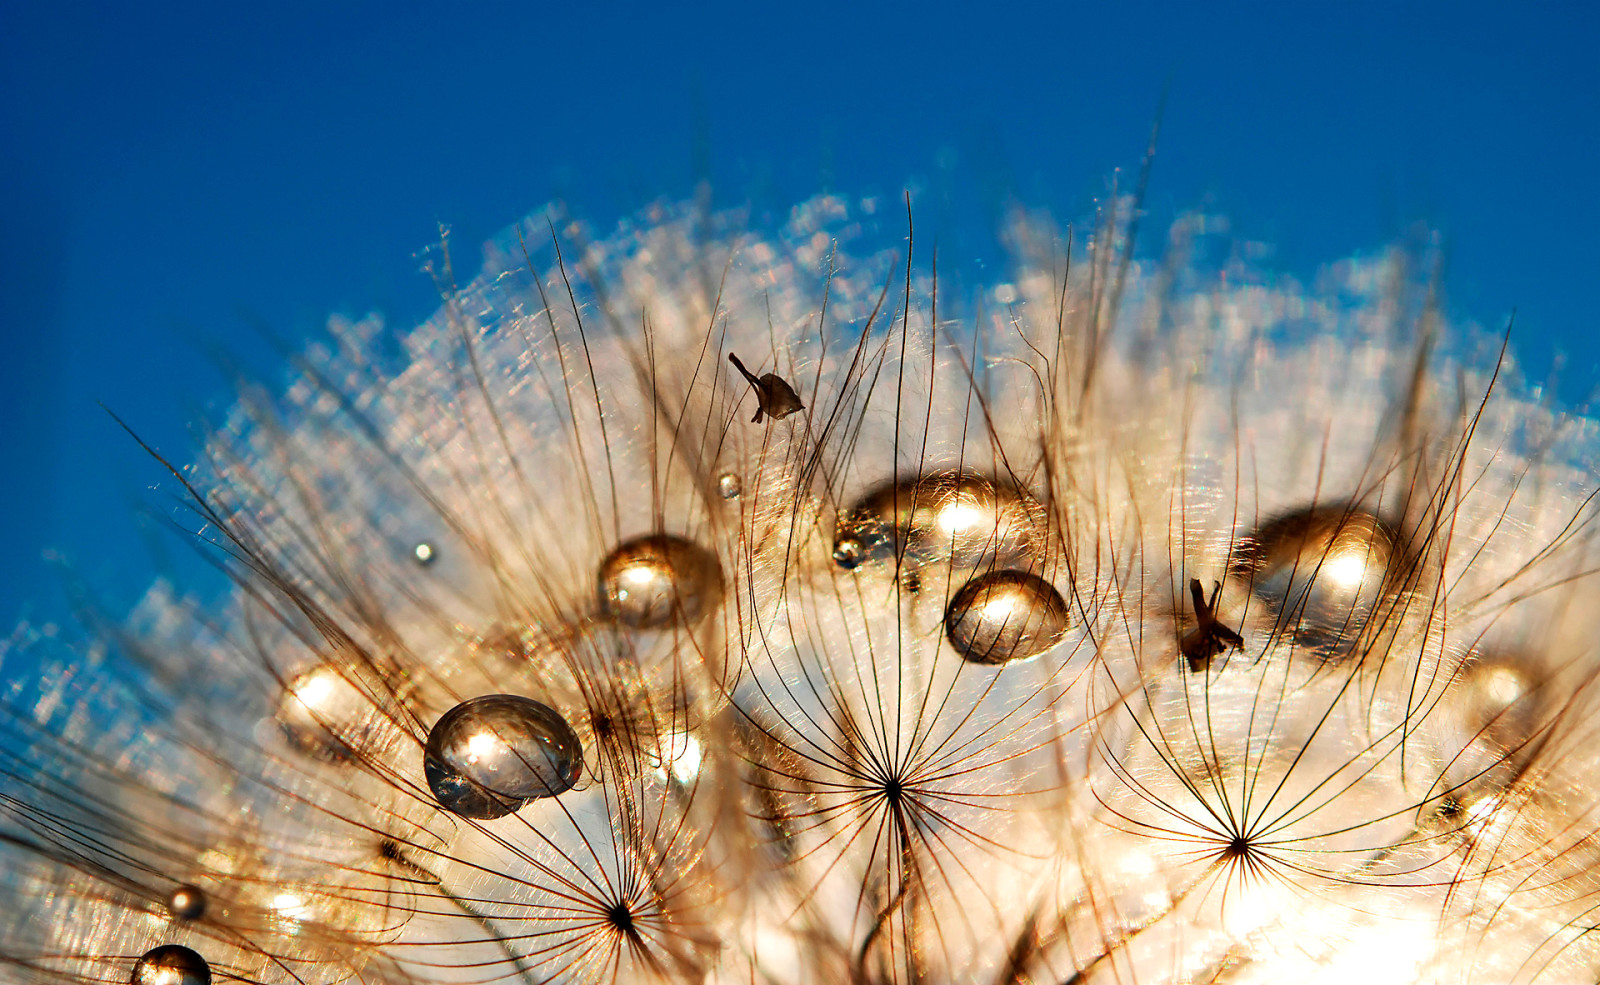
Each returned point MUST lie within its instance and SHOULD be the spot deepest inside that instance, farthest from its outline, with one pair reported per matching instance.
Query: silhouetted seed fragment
(775, 398)
(1210, 637)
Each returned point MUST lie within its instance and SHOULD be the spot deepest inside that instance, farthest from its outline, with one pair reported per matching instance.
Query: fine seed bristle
(1158, 622)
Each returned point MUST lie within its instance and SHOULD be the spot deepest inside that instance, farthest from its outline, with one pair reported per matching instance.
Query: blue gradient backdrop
(175, 176)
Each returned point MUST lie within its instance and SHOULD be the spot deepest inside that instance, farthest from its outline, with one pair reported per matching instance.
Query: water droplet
(490, 755)
(729, 485)
(1321, 572)
(171, 964)
(848, 553)
(964, 518)
(327, 716)
(1500, 708)
(652, 581)
(424, 553)
(186, 903)
(1004, 616)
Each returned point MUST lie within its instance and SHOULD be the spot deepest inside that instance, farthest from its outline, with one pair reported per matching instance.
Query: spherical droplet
(424, 553)
(171, 964)
(327, 716)
(1321, 573)
(186, 903)
(729, 485)
(963, 518)
(652, 581)
(490, 755)
(1004, 616)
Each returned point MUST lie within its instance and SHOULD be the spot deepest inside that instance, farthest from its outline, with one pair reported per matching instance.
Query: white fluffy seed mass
(1130, 620)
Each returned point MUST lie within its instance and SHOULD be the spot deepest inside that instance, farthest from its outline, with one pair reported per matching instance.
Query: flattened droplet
(652, 581)
(963, 518)
(171, 964)
(1004, 616)
(1321, 573)
(490, 755)
(186, 903)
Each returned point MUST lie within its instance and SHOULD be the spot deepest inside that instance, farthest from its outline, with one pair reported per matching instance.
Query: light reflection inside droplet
(959, 515)
(482, 745)
(315, 688)
(1502, 685)
(289, 906)
(687, 766)
(639, 574)
(1347, 568)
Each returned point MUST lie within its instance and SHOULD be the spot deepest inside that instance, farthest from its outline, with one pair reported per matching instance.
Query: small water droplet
(171, 964)
(424, 553)
(651, 581)
(490, 755)
(729, 485)
(186, 903)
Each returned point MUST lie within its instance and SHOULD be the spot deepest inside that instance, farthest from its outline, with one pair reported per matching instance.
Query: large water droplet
(1004, 616)
(963, 518)
(490, 755)
(652, 581)
(1321, 572)
(171, 964)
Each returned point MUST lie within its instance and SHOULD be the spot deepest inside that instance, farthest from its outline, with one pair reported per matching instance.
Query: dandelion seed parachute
(1129, 621)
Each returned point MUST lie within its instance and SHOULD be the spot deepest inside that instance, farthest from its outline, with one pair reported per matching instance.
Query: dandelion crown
(1126, 621)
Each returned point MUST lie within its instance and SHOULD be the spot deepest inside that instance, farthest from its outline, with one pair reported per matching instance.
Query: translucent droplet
(171, 964)
(186, 903)
(490, 755)
(963, 518)
(1321, 573)
(1501, 709)
(1004, 616)
(652, 581)
(327, 716)
(424, 553)
(729, 485)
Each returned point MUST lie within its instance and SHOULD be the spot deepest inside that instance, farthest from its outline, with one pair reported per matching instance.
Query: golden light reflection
(315, 688)
(959, 516)
(1347, 568)
(482, 745)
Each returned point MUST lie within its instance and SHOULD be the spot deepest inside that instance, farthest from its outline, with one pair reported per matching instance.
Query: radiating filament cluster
(1116, 634)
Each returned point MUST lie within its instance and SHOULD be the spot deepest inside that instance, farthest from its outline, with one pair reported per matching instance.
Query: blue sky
(174, 176)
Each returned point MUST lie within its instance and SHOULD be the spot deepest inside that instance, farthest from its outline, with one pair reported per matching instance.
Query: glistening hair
(1143, 617)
